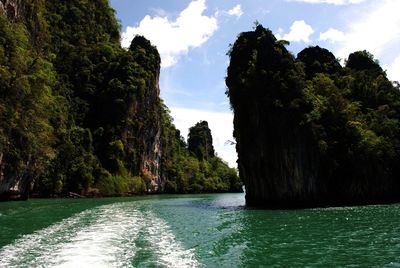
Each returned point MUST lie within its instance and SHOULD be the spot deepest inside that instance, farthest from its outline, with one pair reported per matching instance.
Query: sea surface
(213, 230)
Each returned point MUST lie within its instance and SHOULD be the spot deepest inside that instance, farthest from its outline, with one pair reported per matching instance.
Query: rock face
(16, 160)
(276, 158)
(10, 8)
(307, 129)
(147, 137)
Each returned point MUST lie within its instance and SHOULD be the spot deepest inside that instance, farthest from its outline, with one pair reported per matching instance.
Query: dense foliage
(80, 114)
(198, 169)
(309, 131)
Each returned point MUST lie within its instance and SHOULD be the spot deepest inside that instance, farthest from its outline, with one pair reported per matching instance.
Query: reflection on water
(194, 230)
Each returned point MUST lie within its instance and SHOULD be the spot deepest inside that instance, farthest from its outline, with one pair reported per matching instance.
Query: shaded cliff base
(319, 203)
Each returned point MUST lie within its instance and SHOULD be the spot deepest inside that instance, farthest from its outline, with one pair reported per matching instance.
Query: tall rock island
(80, 115)
(310, 132)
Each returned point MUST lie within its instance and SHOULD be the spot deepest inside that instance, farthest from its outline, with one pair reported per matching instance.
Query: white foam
(100, 237)
(108, 242)
(32, 249)
(169, 250)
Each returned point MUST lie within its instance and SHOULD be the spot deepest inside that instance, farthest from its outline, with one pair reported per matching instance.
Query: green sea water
(194, 231)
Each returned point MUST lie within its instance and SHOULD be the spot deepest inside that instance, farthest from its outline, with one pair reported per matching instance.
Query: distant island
(310, 132)
(81, 116)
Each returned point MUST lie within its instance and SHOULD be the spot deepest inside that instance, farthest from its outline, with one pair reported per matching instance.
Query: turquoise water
(194, 231)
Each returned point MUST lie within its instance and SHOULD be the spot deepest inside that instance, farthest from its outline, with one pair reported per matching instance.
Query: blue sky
(193, 37)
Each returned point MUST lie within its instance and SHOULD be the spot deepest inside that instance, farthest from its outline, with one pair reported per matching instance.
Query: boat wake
(106, 236)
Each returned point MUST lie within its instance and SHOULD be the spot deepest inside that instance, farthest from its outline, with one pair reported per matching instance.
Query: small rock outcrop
(200, 141)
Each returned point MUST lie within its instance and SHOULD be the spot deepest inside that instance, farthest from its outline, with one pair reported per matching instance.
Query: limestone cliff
(82, 116)
(99, 103)
(23, 119)
(9, 9)
(309, 132)
(146, 137)
(276, 157)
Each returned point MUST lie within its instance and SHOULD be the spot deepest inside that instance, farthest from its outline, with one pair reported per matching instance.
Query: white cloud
(159, 12)
(236, 11)
(393, 70)
(332, 35)
(221, 125)
(300, 31)
(174, 38)
(332, 2)
(376, 30)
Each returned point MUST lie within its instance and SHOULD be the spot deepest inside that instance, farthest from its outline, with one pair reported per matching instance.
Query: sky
(193, 38)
